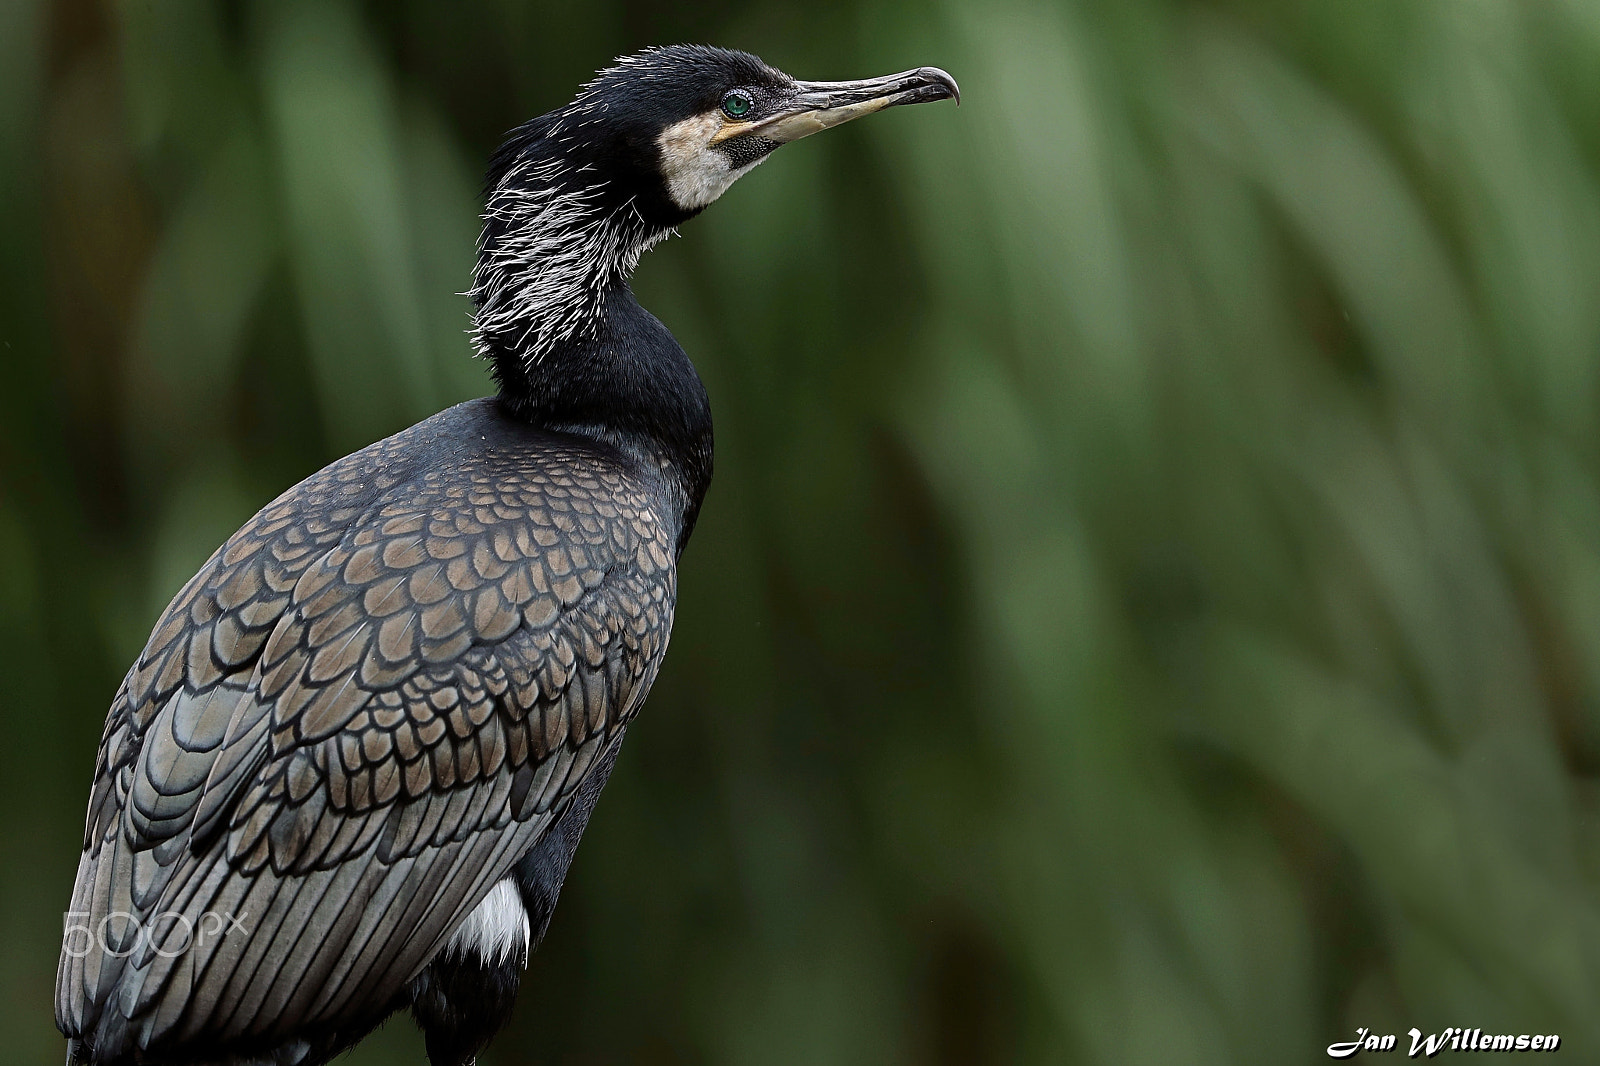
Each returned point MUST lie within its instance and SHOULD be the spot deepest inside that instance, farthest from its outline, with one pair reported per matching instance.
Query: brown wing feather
(359, 714)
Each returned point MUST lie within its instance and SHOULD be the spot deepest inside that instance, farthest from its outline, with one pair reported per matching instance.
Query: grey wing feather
(352, 722)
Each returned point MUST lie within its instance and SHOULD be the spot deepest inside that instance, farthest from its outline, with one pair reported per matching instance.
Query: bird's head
(577, 195)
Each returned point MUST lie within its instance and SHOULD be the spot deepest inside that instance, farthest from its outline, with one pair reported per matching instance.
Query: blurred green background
(1148, 610)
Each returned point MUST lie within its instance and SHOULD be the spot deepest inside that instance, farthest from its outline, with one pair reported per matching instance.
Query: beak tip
(940, 79)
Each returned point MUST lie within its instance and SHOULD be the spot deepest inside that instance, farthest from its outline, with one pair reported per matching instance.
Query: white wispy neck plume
(548, 253)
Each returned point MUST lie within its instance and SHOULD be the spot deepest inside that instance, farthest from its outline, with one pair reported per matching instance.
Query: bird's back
(365, 708)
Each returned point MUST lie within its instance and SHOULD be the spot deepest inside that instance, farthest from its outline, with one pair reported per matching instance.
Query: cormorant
(348, 772)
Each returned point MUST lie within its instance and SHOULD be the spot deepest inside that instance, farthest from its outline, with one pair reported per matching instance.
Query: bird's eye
(736, 105)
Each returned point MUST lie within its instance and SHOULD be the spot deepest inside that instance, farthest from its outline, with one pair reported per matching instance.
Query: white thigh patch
(497, 929)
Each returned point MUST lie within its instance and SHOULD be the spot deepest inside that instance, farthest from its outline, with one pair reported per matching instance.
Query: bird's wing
(343, 731)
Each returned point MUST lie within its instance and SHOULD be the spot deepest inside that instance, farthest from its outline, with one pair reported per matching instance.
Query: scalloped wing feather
(355, 718)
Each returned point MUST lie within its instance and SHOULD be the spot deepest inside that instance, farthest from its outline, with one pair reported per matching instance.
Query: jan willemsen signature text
(1452, 1039)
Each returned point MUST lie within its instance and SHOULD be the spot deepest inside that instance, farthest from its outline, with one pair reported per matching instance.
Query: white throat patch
(496, 930)
(696, 172)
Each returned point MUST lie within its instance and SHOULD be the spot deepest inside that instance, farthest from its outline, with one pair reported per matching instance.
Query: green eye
(736, 105)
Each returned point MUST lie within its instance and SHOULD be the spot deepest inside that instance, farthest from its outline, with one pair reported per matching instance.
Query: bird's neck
(572, 349)
(552, 246)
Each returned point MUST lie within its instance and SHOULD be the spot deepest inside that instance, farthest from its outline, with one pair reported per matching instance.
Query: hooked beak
(818, 105)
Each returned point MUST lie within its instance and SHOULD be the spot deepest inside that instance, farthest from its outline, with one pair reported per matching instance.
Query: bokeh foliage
(1148, 610)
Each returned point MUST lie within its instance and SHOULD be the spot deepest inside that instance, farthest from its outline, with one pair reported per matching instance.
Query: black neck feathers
(572, 349)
